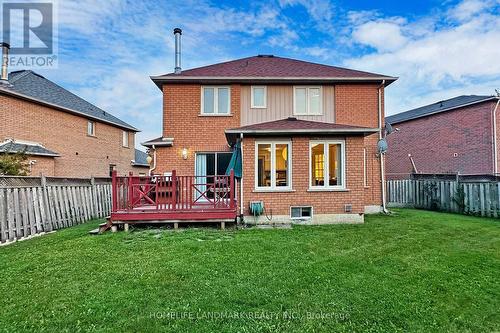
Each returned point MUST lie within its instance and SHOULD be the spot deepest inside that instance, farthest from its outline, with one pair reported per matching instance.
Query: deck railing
(173, 193)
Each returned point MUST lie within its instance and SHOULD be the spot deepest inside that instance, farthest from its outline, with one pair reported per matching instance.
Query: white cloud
(382, 35)
(457, 57)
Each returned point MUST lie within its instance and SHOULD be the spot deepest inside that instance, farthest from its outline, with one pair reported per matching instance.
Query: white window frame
(216, 101)
(273, 186)
(252, 104)
(308, 113)
(302, 217)
(125, 139)
(90, 124)
(326, 171)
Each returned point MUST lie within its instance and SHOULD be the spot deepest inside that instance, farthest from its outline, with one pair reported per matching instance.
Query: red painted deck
(173, 198)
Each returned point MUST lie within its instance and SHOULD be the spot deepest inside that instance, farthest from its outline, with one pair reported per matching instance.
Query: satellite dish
(388, 129)
(382, 146)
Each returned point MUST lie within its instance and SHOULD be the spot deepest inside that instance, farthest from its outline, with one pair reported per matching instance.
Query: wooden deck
(167, 199)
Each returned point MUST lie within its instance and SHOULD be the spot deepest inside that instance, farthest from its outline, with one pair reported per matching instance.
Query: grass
(415, 271)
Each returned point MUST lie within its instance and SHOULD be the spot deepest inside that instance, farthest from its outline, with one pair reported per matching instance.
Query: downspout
(154, 161)
(494, 138)
(241, 179)
(380, 136)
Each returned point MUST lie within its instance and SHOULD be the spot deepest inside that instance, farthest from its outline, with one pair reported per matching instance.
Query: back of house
(307, 132)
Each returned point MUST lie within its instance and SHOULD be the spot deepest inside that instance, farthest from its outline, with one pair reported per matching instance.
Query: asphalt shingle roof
(290, 124)
(271, 67)
(437, 107)
(28, 149)
(140, 158)
(33, 85)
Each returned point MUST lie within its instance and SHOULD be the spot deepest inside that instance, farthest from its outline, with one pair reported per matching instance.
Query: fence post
(93, 198)
(46, 203)
(113, 192)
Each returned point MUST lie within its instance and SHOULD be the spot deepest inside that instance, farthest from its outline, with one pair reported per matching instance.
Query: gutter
(494, 138)
(380, 136)
(153, 167)
(62, 108)
(241, 180)
(161, 79)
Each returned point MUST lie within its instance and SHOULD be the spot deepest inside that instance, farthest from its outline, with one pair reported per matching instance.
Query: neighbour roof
(140, 158)
(294, 126)
(32, 86)
(28, 148)
(161, 141)
(438, 107)
(268, 67)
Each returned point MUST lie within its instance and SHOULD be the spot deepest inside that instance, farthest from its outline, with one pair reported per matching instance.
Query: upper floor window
(327, 164)
(124, 138)
(307, 101)
(258, 97)
(215, 100)
(91, 128)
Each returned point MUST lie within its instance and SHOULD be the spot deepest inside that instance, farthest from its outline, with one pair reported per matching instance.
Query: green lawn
(415, 271)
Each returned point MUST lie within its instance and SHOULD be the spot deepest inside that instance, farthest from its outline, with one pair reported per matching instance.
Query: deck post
(231, 189)
(130, 190)
(223, 225)
(176, 225)
(125, 227)
(174, 190)
(114, 192)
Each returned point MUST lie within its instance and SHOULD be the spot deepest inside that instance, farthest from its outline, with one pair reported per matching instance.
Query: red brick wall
(43, 165)
(323, 202)
(355, 104)
(183, 122)
(433, 140)
(66, 134)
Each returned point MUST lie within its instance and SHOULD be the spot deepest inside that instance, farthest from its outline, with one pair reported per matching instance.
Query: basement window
(300, 212)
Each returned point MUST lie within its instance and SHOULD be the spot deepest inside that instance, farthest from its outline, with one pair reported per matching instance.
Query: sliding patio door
(208, 165)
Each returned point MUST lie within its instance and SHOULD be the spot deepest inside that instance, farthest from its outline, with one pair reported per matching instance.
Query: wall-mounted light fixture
(149, 159)
(184, 153)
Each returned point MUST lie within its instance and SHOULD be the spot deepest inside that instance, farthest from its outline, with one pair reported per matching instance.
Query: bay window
(327, 165)
(272, 165)
(307, 101)
(215, 100)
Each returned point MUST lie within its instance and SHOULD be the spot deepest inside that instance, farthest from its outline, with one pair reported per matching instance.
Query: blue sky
(439, 49)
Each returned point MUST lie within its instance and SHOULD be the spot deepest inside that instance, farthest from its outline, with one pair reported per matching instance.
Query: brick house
(62, 134)
(308, 134)
(458, 135)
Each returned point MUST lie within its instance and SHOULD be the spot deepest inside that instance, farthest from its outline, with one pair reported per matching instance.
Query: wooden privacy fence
(30, 210)
(473, 198)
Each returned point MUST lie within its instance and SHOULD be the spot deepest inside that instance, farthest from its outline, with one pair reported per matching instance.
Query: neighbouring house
(306, 133)
(62, 134)
(458, 135)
